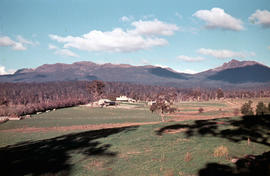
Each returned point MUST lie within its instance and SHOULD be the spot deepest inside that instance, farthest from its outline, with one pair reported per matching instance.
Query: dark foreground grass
(159, 149)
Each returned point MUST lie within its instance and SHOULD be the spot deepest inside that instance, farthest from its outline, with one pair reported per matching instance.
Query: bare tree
(96, 89)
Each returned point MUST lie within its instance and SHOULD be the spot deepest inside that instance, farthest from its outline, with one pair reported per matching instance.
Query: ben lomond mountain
(231, 73)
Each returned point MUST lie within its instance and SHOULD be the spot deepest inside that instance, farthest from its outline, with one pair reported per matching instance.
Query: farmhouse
(125, 99)
(151, 103)
(106, 102)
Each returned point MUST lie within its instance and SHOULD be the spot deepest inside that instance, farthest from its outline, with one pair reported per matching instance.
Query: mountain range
(233, 73)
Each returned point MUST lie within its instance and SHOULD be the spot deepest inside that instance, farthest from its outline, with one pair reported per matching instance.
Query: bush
(221, 151)
(246, 109)
(153, 107)
(261, 109)
(201, 110)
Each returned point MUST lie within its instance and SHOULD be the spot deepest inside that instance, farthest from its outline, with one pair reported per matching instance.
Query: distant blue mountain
(252, 73)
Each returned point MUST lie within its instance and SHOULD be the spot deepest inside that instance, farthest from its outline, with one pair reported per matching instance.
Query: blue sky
(188, 36)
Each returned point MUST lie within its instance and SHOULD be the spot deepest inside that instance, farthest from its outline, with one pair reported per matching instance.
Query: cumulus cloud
(218, 18)
(261, 17)
(66, 52)
(154, 27)
(191, 59)
(25, 41)
(224, 54)
(62, 52)
(3, 71)
(118, 40)
(21, 44)
(5, 41)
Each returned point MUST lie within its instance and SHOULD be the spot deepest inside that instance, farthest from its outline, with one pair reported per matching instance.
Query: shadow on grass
(52, 156)
(250, 166)
(256, 128)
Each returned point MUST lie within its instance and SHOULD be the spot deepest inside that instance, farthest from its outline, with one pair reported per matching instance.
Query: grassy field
(167, 148)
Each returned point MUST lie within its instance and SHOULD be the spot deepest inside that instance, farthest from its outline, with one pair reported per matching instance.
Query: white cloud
(24, 41)
(62, 52)
(3, 71)
(126, 18)
(154, 27)
(191, 59)
(52, 47)
(7, 42)
(224, 54)
(189, 71)
(217, 18)
(261, 17)
(162, 66)
(118, 40)
(66, 52)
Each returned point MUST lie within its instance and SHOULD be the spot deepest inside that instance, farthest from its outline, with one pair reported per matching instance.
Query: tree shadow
(255, 128)
(52, 156)
(249, 166)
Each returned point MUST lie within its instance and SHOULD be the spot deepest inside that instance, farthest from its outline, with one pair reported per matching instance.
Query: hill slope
(251, 73)
(233, 73)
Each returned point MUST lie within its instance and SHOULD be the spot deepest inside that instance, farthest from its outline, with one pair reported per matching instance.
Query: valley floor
(134, 141)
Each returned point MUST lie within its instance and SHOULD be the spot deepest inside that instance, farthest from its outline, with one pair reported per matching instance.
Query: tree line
(26, 98)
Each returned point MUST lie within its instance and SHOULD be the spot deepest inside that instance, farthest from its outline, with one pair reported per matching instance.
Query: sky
(188, 36)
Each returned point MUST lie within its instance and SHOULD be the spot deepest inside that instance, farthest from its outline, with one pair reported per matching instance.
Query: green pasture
(159, 149)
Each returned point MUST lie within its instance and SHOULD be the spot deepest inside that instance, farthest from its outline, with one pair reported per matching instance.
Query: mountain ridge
(232, 72)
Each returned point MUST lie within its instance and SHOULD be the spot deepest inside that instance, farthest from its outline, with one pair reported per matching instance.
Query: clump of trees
(262, 109)
(246, 109)
(96, 89)
(220, 93)
(163, 104)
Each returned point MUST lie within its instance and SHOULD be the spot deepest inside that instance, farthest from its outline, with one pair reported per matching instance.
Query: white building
(125, 99)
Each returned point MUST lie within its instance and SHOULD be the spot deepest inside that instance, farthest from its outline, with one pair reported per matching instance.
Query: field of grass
(169, 148)
(84, 115)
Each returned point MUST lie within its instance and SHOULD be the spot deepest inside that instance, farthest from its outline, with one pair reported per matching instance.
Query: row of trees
(26, 98)
(261, 109)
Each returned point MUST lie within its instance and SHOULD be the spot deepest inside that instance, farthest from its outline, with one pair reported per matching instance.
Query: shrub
(261, 109)
(246, 109)
(201, 110)
(153, 107)
(221, 151)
